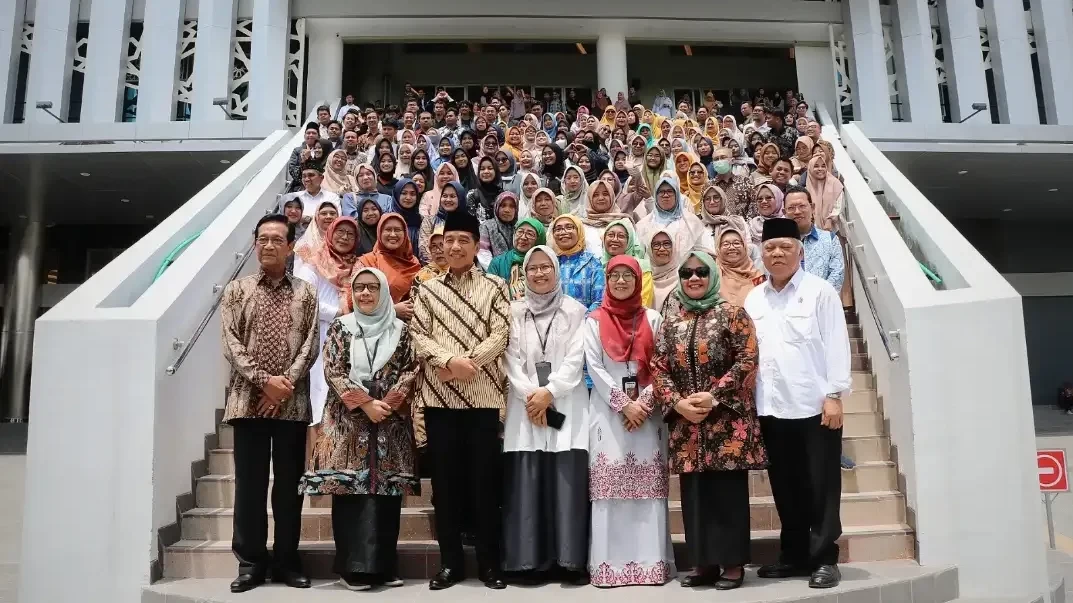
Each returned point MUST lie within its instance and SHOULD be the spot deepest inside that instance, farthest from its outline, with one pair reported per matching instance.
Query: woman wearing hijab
(545, 208)
(315, 233)
(406, 154)
(546, 432)
(575, 192)
(393, 255)
(404, 203)
(467, 141)
(528, 183)
(802, 154)
(713, 214)
(420, 164)
(508, 266)
(668, 213)
(769, 205)
(664, 260)
(489, 145)
(580, 272)
(738, 272)
(827, 194)
(552, 167)
(767, 157)
(507, 168)
(704, 372)
(452, 199)
(464, 168)
(497, 233)
(705, 149)
(627, 446)
(384, 164)
(444, 148)
(696, 180)
(608, 115)
(430, 201)
(371, 370)
(599, 211)
(480, 201)
(366, 189)
(336, 179)
(619, 238)
(368, 216)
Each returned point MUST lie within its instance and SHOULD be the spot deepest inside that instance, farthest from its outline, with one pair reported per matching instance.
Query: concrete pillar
(106, 61)
(1052, 22)
(871, 97)
(22, 297)
(917, 63)
(324, 85)
(268, 63)
(161, 34)
(52, 60)
(1010, 61)
(816, 78)
(611, 64)
(213, 65)
(12, 15)
(963, 59)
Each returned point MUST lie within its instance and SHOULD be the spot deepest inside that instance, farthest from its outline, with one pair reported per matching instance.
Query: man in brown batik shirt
(270, 336)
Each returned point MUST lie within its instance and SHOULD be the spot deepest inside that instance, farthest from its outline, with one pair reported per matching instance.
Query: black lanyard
(376, 347)
(543, 341)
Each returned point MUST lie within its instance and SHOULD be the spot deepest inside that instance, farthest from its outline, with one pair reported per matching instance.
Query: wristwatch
(835, 396)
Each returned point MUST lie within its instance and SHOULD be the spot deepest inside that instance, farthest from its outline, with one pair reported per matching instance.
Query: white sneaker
(394, 582)
(354, 585)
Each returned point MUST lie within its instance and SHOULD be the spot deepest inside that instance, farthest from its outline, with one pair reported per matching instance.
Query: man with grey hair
(804, 368)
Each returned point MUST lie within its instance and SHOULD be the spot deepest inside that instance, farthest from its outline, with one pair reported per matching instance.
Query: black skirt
(366, 532)
(715, 511)
(546, 511)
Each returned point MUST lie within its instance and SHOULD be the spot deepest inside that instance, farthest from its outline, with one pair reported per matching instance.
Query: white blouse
(327, 311)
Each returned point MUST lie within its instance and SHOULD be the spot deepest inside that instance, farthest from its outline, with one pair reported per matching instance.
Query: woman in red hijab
(627, 445)
(393, 255)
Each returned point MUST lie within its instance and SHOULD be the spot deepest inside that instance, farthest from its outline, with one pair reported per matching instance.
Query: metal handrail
(884, 334)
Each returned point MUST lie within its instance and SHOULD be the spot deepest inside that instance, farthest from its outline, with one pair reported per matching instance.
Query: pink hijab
(825, 193)
(430, 201)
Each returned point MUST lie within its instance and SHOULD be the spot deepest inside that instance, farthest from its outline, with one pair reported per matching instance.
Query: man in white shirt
(804, 368)
(346, 107)
(312, 195)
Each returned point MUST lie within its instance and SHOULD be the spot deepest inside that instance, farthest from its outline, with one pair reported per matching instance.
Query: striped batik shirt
(468, 316)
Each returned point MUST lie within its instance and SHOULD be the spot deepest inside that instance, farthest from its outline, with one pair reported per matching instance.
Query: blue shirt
(352, 202)
(582, 276)
(823, 257)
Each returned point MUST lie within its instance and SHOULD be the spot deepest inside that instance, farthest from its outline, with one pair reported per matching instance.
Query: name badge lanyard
(629, 348)
(369, 356)
(547, 331)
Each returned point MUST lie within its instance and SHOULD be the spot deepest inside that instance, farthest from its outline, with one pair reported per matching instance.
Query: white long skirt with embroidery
(630, 542)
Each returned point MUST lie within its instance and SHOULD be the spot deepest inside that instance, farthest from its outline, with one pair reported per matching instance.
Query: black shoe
(705, 576)
(247, 582)
(725, 583)
(577, 578)
(291, 578)
(782, 570)
(825, 576)
(446, 578)
(493, 580)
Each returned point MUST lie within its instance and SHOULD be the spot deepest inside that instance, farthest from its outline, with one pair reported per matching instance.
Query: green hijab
(633, 248)
(502, 263)
(711, 296)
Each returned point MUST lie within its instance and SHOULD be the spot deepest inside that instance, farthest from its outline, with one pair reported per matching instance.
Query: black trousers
(258, 441)
(715, 514)
(366, 532)
(806, 481)
(465, 452)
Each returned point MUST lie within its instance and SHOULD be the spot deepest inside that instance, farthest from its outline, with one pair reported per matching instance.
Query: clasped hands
(458, 367)
(695, 407)
(536, 406)
(277, 389)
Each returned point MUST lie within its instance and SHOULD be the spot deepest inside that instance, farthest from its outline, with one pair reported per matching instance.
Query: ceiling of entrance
(108, 187)
(1031, 185)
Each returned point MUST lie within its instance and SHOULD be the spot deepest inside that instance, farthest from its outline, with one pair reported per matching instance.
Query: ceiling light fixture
(581, 48)
(689, 50)
(225, 161)
(962, 172)
(84, 173)
(124, 200)
(1008, 209)
(1052, 190)
(149, 216)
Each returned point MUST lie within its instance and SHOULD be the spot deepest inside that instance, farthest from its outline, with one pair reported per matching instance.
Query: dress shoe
(724, 583)
(247, 582)
(291, 578)
(782, 570)
(700, 577)
(825, 576)
(446, 578)
(493, 580)
(577, 578)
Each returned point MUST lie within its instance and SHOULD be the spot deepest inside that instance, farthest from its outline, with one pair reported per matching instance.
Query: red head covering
(334, 266)
(624, 329)
(400, 266)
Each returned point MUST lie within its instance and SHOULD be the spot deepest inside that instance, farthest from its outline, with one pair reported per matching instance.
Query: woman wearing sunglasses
(703, 374)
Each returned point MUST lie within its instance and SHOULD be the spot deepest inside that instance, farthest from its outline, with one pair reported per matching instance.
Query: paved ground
(12, 469)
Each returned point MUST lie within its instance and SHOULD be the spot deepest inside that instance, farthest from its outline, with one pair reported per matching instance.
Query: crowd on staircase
(547, 312)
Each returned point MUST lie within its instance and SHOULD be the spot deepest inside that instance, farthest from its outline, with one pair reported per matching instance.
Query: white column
(1010, 62)
(161, 35)
(963, 59)
(1052, 22)
(213, 68)
(872, 98)
(918, 62)
(324, 85)
(611, 64)
(816, 77)
(12, 15)
(268, 63)
(106, 60)
(52, 59)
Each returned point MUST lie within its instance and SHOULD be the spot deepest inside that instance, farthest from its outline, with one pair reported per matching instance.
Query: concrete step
(418, 523)
(870, 475)
(421, 559)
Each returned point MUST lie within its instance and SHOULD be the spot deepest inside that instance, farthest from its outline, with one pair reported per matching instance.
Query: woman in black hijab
(462, 161)
(384, 164)
(420, 164)
(467, 141)
(482, 199)
(552, 166)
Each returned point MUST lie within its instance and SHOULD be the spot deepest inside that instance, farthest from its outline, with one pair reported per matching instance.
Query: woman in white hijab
(546, 433)
(371, 371)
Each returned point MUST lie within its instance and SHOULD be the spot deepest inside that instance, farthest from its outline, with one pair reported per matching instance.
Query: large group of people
(548, 313)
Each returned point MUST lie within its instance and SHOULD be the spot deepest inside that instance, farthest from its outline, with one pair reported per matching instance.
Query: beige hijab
(338, 181)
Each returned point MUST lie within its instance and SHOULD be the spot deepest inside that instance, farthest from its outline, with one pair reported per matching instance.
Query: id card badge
(543, 371)
(629, 387)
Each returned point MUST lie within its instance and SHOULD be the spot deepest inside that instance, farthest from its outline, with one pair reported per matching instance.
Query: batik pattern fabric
(713, 351)
(353, 455)
(823, 257)
(740, 198)
(269, 329)
(582, 276)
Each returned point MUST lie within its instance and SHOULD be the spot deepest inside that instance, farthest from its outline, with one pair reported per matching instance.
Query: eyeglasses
(615, 236)
(395, 231)
(696, 173)
(525, 234)
(731, 244)
(687, 273)
(344, 234)
(662, 245)
(625, 277)
(541, 269)
(563, 228)
(370, 287)
(665, 192)
(273, 241)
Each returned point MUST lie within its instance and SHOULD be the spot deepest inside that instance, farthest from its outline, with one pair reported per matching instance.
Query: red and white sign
(1053, 476)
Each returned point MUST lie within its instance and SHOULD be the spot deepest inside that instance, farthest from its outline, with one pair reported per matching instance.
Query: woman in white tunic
(630, 541)
(546, 435)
